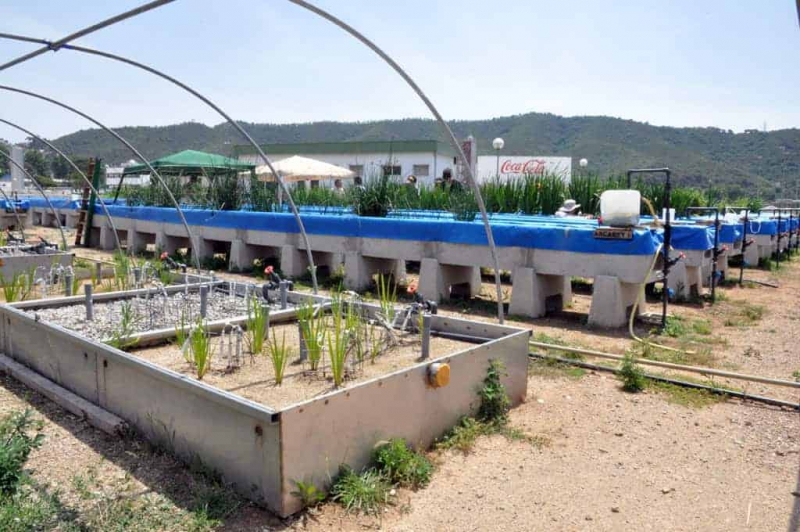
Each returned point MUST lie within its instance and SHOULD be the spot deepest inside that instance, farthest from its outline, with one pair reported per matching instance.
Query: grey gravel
(152, 313)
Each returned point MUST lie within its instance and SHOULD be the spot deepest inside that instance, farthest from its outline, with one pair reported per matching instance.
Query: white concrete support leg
(608, 303)
(72, 220)
(751, 255)
(48, 220)
(694, 277)
(527, 294)
(242, 255)
(294, 262)
(722, 265)
(202, 248)
(399, 270)
(531, 290)
(611, 300)
(136, 242)
(678, 281)
(357, 272)
(167, 243)
(431, 281)
(107, 238)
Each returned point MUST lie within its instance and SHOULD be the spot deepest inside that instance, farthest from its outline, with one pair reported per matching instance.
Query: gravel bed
(156, 312)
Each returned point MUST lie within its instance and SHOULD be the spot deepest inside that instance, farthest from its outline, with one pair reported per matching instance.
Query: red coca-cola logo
(531, 166)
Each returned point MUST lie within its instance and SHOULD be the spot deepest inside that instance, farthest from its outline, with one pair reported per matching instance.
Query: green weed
(365, 493)
(201, 348)
(308, 493)
(633, 379)
(401, 465)
(257, 320)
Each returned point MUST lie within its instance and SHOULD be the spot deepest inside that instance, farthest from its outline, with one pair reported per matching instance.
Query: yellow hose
(656, 221)
(640, 298)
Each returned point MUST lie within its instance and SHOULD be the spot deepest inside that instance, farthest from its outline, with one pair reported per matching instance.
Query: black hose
(710, 389)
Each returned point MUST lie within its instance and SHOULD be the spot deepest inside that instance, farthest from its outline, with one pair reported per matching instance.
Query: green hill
(741, 162)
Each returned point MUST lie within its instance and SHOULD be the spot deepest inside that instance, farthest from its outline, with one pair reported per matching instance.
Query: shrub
(633, 379)
(401, 465)
(494, 400)
(19, 435)
(257, 318)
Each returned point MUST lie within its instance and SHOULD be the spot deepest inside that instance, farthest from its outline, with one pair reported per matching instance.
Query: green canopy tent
(189, 163)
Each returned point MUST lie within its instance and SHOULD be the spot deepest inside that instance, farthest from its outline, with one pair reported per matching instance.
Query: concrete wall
(233, 436)
(258, 450)
(343, 427)
(10, 265)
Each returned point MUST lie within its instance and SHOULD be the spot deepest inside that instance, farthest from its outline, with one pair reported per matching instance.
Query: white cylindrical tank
(620, 207)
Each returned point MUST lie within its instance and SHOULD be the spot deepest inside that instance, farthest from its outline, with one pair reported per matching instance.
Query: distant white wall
(370, 164)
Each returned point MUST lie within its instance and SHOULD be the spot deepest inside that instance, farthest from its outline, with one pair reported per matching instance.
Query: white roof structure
(302, 168)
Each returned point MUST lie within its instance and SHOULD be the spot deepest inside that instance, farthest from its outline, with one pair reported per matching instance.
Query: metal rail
(192, 242)
(41, 191)
(75, 167)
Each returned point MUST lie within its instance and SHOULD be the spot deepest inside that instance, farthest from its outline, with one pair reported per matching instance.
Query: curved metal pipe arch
(116, 135)
(215, 107)
(75, 167)
(41, 191)
(450, 136)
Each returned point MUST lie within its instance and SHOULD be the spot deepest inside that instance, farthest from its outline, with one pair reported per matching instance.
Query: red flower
(412, 288)
(268, 270)
(164, 255)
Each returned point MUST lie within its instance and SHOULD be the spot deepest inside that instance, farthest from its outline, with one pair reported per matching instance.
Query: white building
(425, 159)
(114, 174)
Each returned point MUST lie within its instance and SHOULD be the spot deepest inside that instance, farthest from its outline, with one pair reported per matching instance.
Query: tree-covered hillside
(742, 162)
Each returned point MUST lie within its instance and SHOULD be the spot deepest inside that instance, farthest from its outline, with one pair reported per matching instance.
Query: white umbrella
(298, 168)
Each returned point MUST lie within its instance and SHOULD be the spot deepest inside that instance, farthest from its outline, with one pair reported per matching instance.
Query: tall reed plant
(312, 327)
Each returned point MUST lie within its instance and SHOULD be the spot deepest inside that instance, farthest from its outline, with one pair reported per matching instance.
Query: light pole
(583, 163)
(498, 144)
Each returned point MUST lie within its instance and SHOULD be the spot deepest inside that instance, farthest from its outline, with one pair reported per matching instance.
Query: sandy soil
(255, 379)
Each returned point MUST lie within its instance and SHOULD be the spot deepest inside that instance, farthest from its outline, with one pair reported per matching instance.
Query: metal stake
(203, 301)
(88, 288)
(426, 336)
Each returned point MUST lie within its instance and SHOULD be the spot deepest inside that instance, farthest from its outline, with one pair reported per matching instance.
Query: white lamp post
(583, 162)
(498, 144)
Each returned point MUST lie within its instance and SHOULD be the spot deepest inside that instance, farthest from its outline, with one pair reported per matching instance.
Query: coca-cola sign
(514, 166)
(529, 167)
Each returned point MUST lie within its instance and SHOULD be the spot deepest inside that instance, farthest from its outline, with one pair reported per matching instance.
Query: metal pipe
(68, 277)
(88, 288)
(668, 365)
(224, 115)
(86, 31)
(21, 167)
(426, 336)
(74, 167)
(129, 146)
(711, 389)
(284, 289)
(203, 301)
(745, 245)
(667, 231)
(449, 133)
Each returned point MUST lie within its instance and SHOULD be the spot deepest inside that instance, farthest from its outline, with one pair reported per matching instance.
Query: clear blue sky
(680, 62)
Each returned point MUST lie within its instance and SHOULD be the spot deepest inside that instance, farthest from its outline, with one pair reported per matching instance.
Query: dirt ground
(613, 461)
(255, 379)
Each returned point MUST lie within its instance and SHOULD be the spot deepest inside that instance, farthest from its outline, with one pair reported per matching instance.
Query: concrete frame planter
(262, 451)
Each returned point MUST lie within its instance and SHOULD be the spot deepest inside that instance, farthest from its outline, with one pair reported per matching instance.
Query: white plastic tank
(620, 207)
